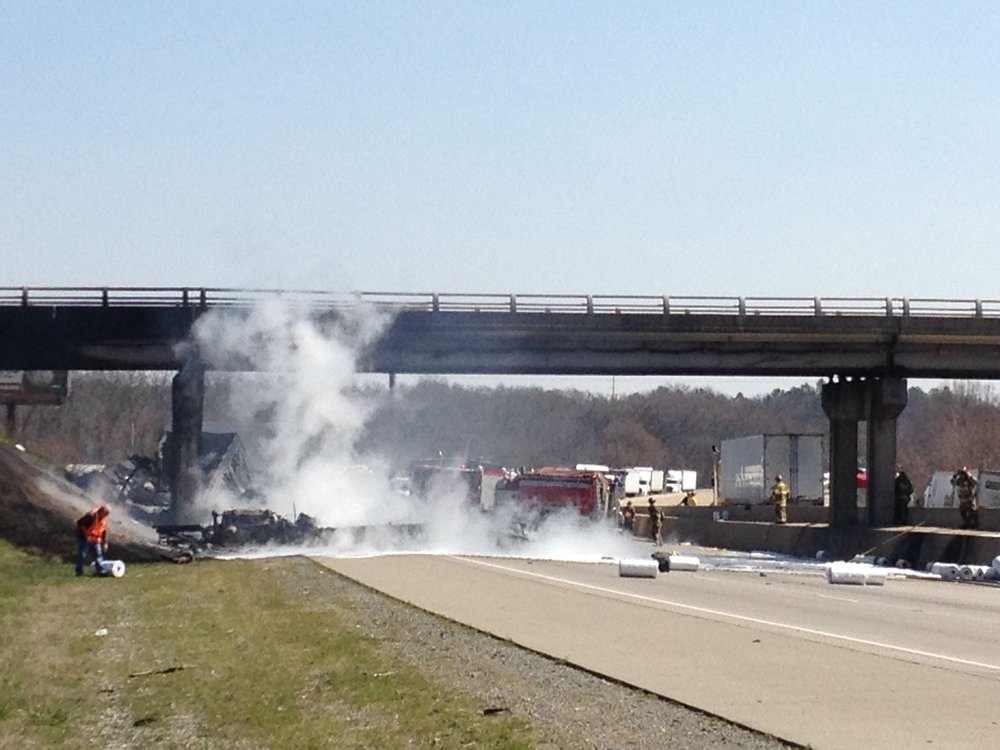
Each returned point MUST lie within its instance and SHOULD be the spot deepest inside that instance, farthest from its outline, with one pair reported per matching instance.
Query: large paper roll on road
(682, 562)
(638, 568)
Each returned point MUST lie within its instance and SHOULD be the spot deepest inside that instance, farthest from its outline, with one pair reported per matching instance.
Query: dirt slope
(39, 509)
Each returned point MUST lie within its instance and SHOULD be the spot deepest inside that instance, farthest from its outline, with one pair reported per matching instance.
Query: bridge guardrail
(601, 304)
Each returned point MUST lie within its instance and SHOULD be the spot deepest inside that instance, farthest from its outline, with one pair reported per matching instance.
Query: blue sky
(726, 148)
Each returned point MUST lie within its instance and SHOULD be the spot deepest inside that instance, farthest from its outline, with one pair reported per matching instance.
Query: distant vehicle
(656, 481)
(680, 480)
(477, 480)
(549, 489)
(749, 465)
(940, 494)
(645, 478)
(633, 483)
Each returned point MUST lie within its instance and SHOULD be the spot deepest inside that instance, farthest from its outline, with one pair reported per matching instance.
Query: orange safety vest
(97, 529)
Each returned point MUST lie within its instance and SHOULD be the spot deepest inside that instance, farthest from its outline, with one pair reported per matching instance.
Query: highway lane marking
(733, 616)
(838, 598)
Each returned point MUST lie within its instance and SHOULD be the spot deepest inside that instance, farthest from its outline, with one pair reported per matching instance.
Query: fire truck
(549, 489)
(476, 480)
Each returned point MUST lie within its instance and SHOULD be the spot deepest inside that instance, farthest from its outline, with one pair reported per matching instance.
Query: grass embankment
(216, 654)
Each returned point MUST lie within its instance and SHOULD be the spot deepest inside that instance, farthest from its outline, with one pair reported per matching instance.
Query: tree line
(109, 416)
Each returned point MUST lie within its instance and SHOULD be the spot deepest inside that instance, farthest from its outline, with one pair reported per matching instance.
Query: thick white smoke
(308, 411)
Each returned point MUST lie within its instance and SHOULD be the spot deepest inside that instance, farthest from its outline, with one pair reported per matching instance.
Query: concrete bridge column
(844, 403)
(886, 400)
(184, 469)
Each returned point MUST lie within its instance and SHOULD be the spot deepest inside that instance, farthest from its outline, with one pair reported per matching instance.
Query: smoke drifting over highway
(308, 412)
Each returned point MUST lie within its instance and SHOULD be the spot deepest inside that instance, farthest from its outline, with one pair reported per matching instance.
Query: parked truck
(941, 494)
(656, 481)
(549, 489)
(680, 480)
(748, 466)
(475, 480)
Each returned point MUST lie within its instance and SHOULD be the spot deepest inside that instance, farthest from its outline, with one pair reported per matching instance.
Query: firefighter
(779, 496)
(92, 538)
(903, 490)
(689, 499)
(655, 523)
(965, 484)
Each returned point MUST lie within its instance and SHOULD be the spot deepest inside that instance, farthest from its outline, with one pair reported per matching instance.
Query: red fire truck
(478, 480)
(549, 489)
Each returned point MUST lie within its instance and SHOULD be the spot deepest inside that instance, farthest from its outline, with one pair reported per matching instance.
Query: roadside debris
(140, 483)
(168, 670)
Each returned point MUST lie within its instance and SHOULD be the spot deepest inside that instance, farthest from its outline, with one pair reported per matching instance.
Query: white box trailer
(940, 493)
(645, 478)
(680, 480)
(749, 465)
(656, 481)
(988, 492)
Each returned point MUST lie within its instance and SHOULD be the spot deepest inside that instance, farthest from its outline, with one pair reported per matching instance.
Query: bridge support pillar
(844, 404)
(184, 468)
(886, 400)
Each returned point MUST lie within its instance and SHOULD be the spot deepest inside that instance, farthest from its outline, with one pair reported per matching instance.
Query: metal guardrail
(600, 304)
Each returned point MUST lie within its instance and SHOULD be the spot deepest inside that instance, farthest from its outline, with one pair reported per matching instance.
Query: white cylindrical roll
(114, 568)
(996, 564)
(638, 568)
(876, 577)
(682, 562)
(846, 573)
(947, 571)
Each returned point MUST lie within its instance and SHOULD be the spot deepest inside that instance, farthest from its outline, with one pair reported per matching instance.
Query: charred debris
(140, 485)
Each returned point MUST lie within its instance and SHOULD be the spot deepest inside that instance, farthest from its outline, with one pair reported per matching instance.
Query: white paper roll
(876, 577)
(682, 562)
(947, 571)
(846, 573)
(114, 568)
(638, 568)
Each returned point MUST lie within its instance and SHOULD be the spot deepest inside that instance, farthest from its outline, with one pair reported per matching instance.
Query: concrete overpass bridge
(866, 347)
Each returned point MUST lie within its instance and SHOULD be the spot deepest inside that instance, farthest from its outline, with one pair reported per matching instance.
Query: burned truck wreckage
(140, 485)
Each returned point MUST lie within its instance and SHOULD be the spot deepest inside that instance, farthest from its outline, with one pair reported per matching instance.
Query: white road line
(838, 598)
(733, 616)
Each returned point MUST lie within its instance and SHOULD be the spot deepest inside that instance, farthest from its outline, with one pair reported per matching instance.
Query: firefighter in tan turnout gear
(779, 496)
(965, 486)
(655, 523)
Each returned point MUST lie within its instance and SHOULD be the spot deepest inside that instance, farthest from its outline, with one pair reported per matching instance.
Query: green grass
(213, 654)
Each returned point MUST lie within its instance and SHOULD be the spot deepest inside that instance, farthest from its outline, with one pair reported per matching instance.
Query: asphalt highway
(912, 663)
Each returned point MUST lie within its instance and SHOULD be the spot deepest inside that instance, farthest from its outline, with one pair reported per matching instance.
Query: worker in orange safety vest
(92, 538)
